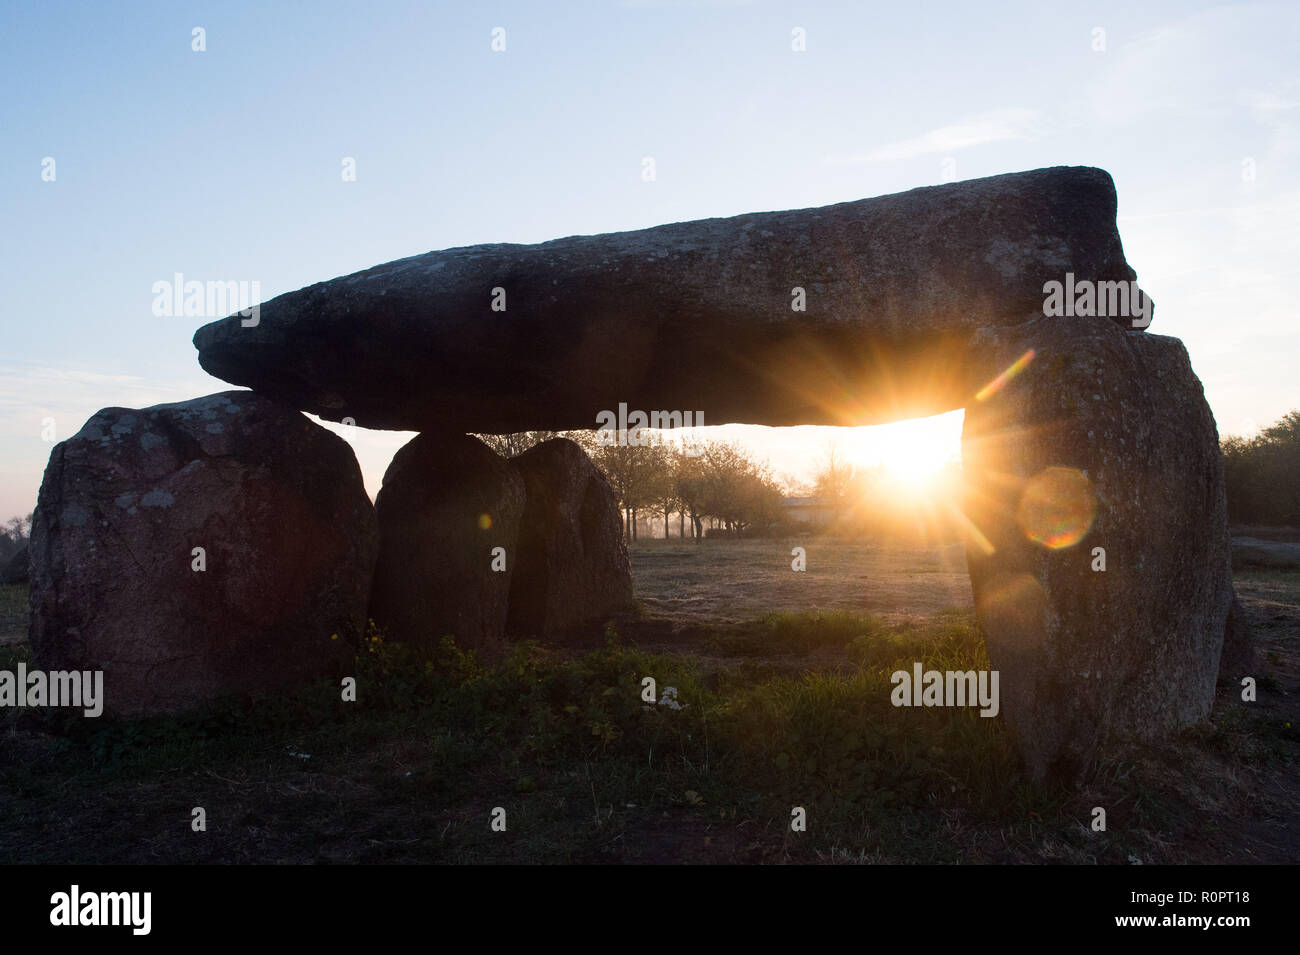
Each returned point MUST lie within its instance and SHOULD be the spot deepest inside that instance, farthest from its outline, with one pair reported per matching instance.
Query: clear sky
(226, 164)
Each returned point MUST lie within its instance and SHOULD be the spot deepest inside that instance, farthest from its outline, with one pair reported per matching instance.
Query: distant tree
(733, 489)
(14, 534)
(836, 481)
(725, 467)
(1262, 474)
(667, 493)
(760, 498)
(794, 487)
(689, 485)
(634, 471)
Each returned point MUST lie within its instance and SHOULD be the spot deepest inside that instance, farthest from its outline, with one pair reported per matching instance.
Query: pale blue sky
(225, 164)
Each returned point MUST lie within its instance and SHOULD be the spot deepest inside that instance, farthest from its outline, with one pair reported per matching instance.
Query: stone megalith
(216, 546)
(1087, 443)
(572, 565)
(447, 503)
(856, 313)
(1093, 447)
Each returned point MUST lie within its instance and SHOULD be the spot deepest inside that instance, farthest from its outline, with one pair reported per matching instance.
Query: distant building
(812, 511)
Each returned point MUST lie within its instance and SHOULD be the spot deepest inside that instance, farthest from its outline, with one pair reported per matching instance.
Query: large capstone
(448, 513)
(855, 313)
(571, 567)
(1099, 557)
(217, 546)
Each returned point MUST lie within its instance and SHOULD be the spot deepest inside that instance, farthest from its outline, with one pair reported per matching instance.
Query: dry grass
(727, 582)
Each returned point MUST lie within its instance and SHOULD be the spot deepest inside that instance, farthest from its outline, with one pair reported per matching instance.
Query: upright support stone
(1091, 448)
(211, 547)
(572, 567)
(447, 504)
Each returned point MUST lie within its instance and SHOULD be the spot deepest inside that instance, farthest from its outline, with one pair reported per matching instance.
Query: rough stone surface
(446, 502)
(277, 504)
(1238, 659)
(16, 570)
(693, 316)
(572, 565)
(1135, 649)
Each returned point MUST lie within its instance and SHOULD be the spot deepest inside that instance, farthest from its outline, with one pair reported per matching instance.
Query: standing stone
(446, 503)
(1101, 439)
(572, 567)
(287, 537)
(855, 313)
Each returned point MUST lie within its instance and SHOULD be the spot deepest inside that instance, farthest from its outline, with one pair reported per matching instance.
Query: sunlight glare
(913, 451)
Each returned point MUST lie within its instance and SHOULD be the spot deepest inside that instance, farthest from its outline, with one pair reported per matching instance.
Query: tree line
(709, 487)
(1262, 475)
(718, 488)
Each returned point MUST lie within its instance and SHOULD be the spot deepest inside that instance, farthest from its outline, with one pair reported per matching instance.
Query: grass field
(783, 681)
(736, 581)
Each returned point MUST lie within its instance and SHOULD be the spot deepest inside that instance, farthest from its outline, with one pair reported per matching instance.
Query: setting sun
(912, 450)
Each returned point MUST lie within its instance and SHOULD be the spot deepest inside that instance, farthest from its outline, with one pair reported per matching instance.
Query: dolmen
(1097, 533)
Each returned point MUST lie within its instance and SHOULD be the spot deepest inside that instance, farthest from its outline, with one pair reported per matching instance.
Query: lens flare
(484, 521)
(973, 534)
(1016, 367)
(1057, 507)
